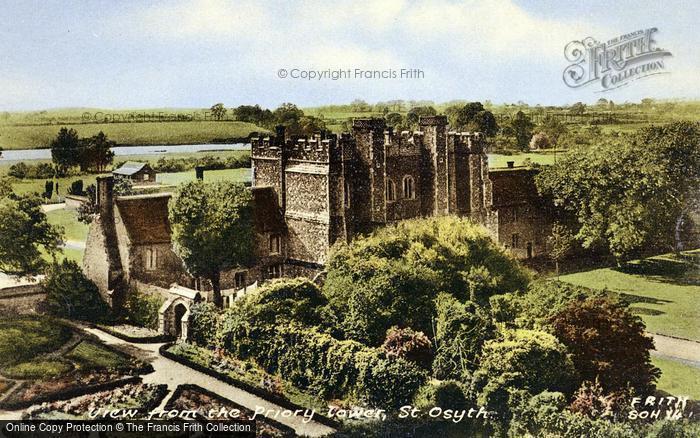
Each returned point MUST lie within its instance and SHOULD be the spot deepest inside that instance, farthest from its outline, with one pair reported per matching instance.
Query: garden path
(682, 350)
(173, 374)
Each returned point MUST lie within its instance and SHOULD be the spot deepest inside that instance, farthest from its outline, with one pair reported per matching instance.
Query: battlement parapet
(265, 147)
(403, 143)
(466, 142)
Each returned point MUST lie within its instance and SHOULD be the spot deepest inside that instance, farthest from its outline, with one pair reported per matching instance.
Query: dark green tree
(521, 127)
(65, 150)
(212, 229)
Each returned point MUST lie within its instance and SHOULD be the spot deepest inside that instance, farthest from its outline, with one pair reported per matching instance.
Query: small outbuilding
(138, 173)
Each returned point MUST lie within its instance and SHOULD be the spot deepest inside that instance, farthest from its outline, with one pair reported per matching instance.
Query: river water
(120, 151)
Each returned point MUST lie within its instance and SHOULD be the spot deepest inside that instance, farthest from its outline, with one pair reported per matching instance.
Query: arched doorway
(179, 311)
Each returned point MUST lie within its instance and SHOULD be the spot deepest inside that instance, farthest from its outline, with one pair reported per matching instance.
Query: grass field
(239, 175)
(662, 290)
(499, 160)
(147, 133)
(678, 378)
(73, 229)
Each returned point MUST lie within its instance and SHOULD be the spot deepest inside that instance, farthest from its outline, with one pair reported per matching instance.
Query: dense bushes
(387, 383)
(70, 294)
(31, 171)
(141, 309)
(211, 162)
(608, 344)
(393, 276)
(204, 323)
(410, 345)
(460, 332)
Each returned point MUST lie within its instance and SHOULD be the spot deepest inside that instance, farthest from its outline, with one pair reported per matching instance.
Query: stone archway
(174, 314)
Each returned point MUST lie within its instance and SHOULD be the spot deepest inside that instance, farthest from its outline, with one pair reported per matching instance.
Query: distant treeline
(168, 165)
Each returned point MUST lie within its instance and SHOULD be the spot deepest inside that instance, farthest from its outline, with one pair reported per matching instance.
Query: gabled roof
(513, 186)
(145, 218)
(267, 215)
(130, 168)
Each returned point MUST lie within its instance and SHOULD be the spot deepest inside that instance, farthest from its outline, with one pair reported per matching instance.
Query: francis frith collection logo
(614, 63)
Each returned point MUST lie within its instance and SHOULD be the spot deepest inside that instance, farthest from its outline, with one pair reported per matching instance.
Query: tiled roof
(145, 218)
(130, 168)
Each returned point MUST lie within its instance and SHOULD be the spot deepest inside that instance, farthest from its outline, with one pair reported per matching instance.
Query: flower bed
(132, 333)
(247, 377)
(138, 396)
(195, 399)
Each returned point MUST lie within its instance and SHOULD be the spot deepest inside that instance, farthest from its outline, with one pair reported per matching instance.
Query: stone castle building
(309, 194)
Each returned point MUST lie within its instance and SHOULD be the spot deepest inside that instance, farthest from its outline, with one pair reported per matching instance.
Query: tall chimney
(279, 135)
(105, 195)
(199, 172)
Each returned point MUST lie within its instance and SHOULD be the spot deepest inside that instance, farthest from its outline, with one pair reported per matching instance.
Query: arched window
(390, 191)
(275, 244)
(151, 259)
(408, 187)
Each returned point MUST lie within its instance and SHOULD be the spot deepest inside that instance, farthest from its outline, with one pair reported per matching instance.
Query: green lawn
(148, 133)
(22, 340)
(544, 158)
(88, 355)
(663, 290)
(68, 219)
(176, 178)
(678, 378)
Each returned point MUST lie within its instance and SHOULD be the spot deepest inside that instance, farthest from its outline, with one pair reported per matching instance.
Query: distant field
(147, 133)
(37, 185)
(662, 290)
(239, 175)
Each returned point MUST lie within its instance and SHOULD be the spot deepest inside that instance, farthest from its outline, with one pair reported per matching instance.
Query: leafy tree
(553, 128)
(540, 141)
(96, 152)
(359, 106)
(394, 119)
(88, 209)
(608, 344)
(24, 234)
(578, 108)
(473, 117)
(218, 111)
(204, 324)
(413, 116)
(123, 186)
(393, 276)
(521, 127)
(535, 308)
(18, 170)
(65, 150)
(560, 242)
(630, 193)
(253, 114)
(69, 294)
(212, 229)
(48, 189)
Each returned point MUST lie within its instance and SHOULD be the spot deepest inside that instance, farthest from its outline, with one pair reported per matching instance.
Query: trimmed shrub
(387, 383)
(447, 394)
(69, 294)
(76, 187)
(204, 324)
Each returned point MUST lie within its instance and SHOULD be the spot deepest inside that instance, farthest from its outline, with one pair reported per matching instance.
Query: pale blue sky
(192, 54)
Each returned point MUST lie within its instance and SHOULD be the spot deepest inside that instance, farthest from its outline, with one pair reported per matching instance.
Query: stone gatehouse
(309, 193)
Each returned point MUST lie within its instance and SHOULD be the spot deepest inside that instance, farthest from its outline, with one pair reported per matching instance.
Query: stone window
(146, 177)
(239, 280)
(515, 240)
(408, 187)
(390, 191)
(274, 271)
(275, 244)
(151, 259)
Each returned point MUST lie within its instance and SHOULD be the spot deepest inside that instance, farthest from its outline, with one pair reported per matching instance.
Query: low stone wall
(22, 299)
(73, 202)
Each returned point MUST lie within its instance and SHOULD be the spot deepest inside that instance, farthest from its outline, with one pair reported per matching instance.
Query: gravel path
(677, 349)
(174, 374)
